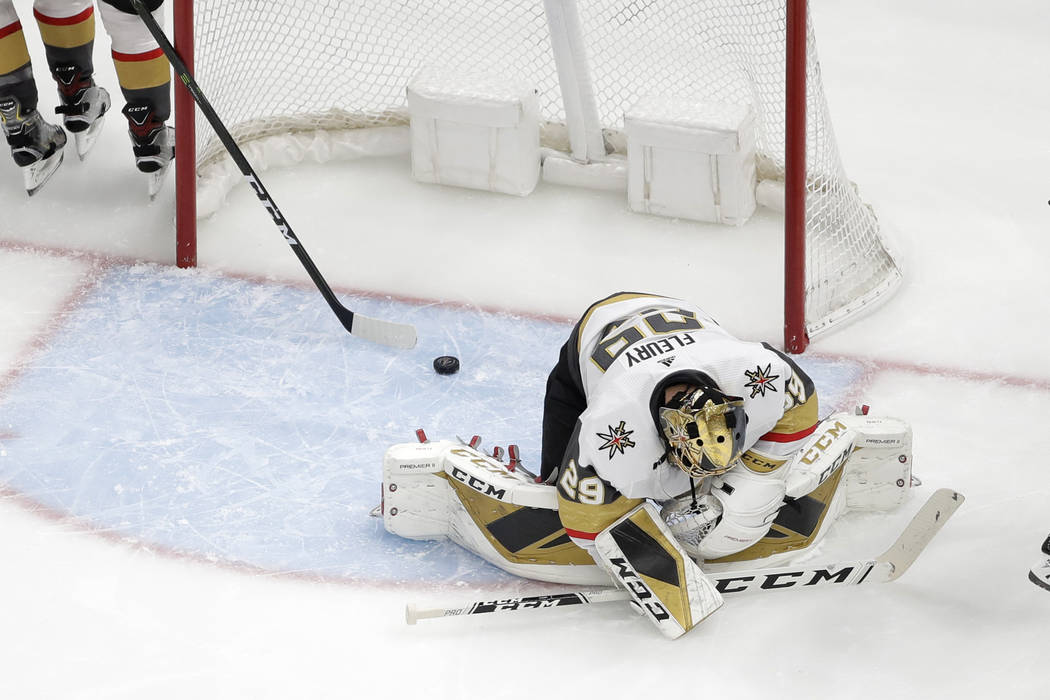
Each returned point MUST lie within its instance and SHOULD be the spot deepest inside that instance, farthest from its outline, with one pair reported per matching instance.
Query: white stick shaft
(602, 595)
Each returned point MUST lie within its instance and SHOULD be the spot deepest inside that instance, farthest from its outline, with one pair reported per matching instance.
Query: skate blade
(37, 174)
(86, 139)
(156, 181)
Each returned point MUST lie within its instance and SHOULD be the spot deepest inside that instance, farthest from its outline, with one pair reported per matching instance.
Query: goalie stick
(1040, 573)
(888, 566)
(397, 335)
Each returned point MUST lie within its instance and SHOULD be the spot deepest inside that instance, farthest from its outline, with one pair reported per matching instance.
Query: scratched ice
(238, 421)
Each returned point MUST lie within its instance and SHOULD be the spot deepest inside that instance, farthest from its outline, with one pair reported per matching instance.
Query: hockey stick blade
(36, 175)
(395, 335)
(386, 333)
(889, 566)
(926, 523)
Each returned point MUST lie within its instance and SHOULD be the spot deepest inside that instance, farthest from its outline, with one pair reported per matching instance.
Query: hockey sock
(68, 41)
(16, 70)
(143, 71)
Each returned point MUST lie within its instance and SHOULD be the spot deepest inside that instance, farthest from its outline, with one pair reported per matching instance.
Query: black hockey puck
(446, 364)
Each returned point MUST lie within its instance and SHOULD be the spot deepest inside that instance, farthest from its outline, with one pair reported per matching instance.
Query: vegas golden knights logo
(617, 439)
(761, 380)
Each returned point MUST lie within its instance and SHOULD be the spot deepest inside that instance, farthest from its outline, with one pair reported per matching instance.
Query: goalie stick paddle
(397, 335)
(888, 566)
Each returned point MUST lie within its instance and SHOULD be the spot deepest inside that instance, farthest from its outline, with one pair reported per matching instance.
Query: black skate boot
(153, 143)
(84, 106)
(1040, 573)
(36, 145)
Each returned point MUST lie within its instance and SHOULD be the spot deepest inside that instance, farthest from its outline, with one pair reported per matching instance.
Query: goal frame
(185, 143)
(582, 121)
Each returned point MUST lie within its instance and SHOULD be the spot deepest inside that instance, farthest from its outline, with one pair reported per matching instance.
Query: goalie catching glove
(691, 519)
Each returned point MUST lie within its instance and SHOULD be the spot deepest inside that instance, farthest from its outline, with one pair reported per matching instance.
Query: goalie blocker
(850, 462)
(446, 490)
(641, 556)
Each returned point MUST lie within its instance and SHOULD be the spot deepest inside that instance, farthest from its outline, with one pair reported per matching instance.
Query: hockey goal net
(286, 66)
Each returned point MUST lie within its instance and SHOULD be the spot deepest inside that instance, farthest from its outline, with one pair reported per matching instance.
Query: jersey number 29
(589, 490)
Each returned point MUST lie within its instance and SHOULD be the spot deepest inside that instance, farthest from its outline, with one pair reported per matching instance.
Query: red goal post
(589, 60)
(185, 142)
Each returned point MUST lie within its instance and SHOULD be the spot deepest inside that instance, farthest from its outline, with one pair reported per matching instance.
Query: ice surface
(233, 420)
(187, 458)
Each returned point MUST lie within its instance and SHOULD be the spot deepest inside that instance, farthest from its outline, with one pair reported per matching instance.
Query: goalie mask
(704, 431)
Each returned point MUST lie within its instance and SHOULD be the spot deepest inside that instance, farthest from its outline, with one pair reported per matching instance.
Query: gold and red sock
(69, 40)
(145, 77)
(16, 70)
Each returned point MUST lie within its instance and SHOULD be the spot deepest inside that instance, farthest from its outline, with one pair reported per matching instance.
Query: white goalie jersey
(631, 345)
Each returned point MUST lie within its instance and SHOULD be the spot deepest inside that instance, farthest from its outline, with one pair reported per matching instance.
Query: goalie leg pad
(511, 521)
(876, 451)
(878, 474)
(821, 455)
(641, 555)
(417, 498)
(443, 490)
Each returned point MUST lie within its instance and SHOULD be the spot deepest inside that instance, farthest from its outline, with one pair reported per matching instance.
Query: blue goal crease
(239, 421)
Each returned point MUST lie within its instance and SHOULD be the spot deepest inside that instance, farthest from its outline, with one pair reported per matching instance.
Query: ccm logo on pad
(477, 484)
(636, 585)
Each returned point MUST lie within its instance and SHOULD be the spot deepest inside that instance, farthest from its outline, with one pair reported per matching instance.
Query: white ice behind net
(284, 66)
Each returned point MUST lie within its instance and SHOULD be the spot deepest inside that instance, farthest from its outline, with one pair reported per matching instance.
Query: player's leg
(16, 70)
(67, 28)
(36, 145)
(145, 81)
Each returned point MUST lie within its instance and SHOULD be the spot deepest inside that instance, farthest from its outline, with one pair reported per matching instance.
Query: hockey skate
(1040, 573)
(153, 143)
(84, 106)
(36, 146)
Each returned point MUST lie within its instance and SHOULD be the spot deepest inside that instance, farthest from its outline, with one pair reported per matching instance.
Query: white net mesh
(278, 66)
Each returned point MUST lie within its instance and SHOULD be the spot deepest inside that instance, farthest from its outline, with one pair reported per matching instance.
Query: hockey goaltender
(671, 450)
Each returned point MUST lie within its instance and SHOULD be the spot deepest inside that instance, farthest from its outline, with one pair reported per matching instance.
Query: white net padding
(278, 67)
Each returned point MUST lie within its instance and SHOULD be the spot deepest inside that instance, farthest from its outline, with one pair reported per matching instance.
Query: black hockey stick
(888, 566)
(398, 335)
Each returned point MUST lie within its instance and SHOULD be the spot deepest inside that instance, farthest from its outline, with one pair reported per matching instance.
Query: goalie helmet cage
(338, 67)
